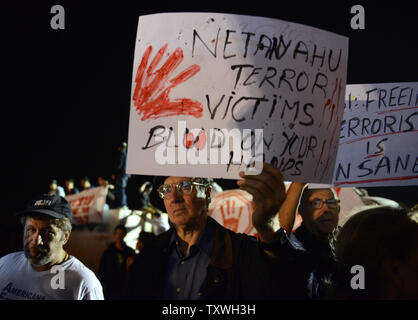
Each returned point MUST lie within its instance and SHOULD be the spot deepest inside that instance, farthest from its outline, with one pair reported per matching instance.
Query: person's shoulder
(13, 257)
(293, 239)
(84, 279)
(81, 272)
(164, 236)
(130, 251)
(158, 244)
(111, 248)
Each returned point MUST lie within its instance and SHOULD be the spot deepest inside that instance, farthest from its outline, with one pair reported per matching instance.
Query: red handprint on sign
(230, 220)
(153, 86)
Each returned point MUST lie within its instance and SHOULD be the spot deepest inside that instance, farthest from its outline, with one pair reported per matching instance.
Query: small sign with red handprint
(233, 209)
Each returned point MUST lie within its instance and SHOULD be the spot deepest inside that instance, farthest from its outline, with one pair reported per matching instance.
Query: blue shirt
(185, 274)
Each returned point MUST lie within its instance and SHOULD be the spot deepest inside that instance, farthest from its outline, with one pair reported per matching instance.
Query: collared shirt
(185, 274)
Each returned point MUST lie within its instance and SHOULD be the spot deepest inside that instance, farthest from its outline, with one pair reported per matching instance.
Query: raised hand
(269, 192)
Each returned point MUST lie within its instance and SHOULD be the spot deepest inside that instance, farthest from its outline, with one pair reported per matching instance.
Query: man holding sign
(271, 91)
(215, 93)
(320, 210)
(200, 259)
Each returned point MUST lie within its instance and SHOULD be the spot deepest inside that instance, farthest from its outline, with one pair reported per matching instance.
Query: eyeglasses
(318, 203)
(166, 191)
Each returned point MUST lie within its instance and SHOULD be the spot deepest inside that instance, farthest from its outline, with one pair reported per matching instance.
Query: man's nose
(39, 240)
(177, 196)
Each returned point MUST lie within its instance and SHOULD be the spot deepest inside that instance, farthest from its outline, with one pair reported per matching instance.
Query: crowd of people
(373, 255)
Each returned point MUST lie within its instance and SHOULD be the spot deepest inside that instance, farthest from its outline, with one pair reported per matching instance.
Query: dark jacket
(318, 259)
(238, 269)
(112, 271)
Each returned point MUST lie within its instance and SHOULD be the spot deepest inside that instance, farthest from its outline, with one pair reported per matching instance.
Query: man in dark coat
(112, 269)
(199, 259)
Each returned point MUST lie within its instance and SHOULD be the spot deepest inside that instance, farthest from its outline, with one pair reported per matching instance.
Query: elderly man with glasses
(198, 259)
(319, 209)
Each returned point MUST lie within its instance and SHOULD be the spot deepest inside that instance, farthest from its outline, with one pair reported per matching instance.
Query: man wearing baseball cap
(44, 270)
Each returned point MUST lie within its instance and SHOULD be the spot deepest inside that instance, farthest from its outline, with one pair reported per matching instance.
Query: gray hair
(63, 224)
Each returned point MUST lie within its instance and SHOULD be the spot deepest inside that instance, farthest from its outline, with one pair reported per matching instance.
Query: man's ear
(66, 236)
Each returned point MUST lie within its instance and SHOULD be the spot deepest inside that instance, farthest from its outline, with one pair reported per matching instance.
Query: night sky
(68, 91)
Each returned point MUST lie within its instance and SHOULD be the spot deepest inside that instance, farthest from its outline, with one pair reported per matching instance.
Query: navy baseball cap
(50, 205)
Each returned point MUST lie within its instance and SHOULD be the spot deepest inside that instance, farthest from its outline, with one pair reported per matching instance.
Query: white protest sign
(213, 92)
(87, 206)
(379, 138)
(350, 202)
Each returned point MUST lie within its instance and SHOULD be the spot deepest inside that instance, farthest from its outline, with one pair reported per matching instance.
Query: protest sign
(212, 93)
(233, 210)
(87, 206)
(379, 139)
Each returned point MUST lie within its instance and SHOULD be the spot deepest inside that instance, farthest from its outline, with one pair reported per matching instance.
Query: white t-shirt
(71, 280)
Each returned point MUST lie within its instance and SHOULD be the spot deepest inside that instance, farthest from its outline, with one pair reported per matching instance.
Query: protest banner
(212, 93)
(378, 143)
(88, 205)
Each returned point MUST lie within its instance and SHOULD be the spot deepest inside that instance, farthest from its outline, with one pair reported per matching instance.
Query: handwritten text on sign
(207, 72)
(379, 136)
(87, 206)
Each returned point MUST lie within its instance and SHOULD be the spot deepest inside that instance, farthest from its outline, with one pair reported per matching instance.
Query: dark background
(66, 102)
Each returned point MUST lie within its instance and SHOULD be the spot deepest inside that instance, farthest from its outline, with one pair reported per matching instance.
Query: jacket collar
(205, 241)
(221, 256)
